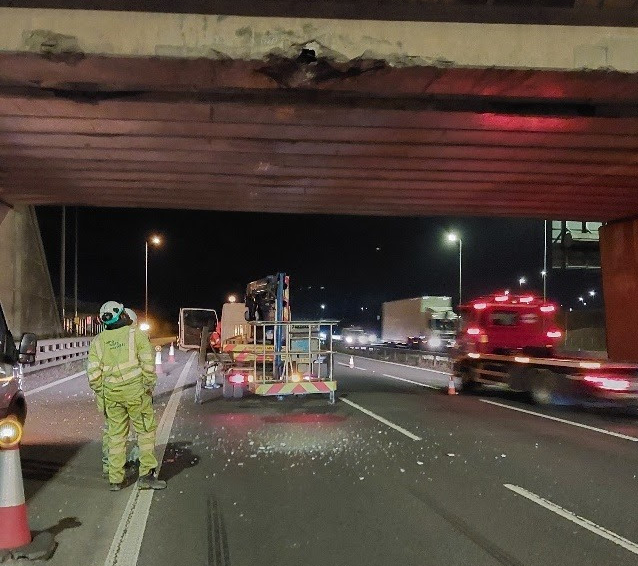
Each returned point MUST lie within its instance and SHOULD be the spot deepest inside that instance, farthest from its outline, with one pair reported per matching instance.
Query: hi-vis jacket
(121, 357)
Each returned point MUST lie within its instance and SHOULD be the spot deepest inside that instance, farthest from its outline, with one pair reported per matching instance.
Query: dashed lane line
(381, 419)
(410, 381)
(394, 377)
(353, 367)
(54, 383)
(566, 514)
(404, 366)
(564, 421)
(125, 548)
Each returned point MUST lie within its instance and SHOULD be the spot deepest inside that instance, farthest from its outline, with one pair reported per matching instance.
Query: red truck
(513, 340)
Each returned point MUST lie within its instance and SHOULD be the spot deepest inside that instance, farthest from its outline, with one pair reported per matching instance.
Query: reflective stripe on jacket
(120, 356)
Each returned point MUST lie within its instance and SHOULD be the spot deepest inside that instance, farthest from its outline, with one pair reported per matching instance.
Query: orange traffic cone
(15, 535)
(451, 389)
(171, 354)
(158, 359)
(351, 363)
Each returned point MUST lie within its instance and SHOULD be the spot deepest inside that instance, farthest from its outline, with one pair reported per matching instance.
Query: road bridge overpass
(473, 115)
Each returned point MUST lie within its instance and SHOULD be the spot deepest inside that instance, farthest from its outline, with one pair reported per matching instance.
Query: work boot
(150, 481)
(115, 486)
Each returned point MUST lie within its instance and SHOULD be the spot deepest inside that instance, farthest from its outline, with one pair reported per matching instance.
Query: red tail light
(480, 306)
(554, 333)
(548, 308)
(472, 331)
(608, 383)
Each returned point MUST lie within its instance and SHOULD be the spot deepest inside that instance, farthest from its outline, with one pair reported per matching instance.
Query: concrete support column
(26, 292)
(619, 257)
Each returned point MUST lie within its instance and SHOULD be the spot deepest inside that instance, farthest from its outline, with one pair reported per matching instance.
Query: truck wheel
(468, 385)
(541, 387)
(228, 390)
(19, 411)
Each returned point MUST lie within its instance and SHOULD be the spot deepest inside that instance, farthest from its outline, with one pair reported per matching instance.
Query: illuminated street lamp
(452, 237)
(522, 281)
(544, 276)
(581, 299)
(323, 307)
(154, 240)
(592, 293)
(232, 299)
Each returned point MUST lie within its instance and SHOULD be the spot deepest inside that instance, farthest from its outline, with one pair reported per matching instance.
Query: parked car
(12, 401)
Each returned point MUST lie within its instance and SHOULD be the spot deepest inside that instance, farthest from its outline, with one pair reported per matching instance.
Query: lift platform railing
(291, 351)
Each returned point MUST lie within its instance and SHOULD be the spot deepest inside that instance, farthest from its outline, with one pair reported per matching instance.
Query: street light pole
(452, 237)
(545, 261)
(146, 281)
(156, 241)
(460, 270)
(63, 267)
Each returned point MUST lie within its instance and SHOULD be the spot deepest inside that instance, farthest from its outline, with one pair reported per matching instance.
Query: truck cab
(191, 323)
(506, 324)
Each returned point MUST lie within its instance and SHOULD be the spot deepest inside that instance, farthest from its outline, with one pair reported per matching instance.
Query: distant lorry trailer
(426, 323)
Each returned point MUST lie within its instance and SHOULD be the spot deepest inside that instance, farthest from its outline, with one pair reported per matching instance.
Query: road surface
(395, 473)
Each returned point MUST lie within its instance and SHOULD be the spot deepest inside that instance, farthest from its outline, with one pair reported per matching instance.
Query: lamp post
(452, 237)
(544, 276)
(154, 240)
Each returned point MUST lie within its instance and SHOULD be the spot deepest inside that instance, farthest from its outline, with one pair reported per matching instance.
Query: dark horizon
(344, 262)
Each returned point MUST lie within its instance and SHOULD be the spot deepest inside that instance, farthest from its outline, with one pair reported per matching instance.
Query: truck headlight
(435, 342)
(349, 339)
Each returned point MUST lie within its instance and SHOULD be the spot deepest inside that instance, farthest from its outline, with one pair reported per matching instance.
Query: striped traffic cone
(171, 354)
(158, 359)
(15, 535)
(451, 388)
(351, 363)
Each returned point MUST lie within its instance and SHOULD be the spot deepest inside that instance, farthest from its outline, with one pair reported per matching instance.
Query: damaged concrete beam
(400, 44)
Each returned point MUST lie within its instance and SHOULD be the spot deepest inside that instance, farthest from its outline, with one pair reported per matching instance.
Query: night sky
(208, 255)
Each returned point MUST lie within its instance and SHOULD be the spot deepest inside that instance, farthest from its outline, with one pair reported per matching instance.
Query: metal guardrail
(405, 356)
(58, 351)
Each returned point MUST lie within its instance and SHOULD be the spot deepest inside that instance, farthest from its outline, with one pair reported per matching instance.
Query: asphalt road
(395, 473)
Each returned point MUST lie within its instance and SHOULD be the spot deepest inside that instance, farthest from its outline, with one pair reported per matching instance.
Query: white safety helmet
(131, 314)
(110, 312)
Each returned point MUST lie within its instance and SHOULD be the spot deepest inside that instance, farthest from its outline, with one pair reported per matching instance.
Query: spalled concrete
(136, 34)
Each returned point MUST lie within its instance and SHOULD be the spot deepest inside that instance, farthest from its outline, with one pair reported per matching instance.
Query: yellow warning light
(10, 432)
(295, 377)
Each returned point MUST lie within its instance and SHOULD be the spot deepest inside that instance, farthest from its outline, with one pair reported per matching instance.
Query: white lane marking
(381, 419)
(564, 421)
(54, 383)
(125, 548)
(410, 381)
(353, 367)
(585, 523)
(405, 366)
